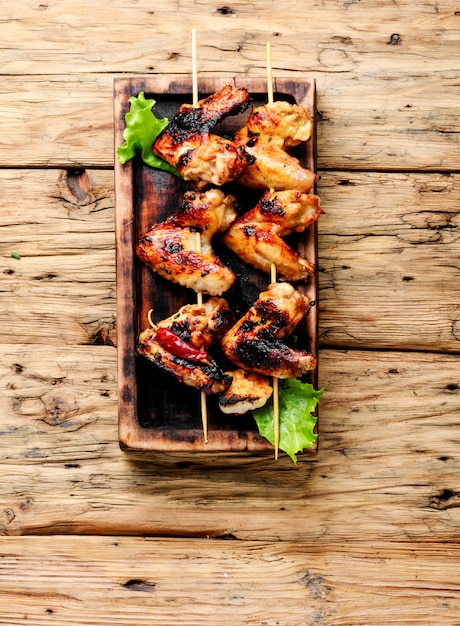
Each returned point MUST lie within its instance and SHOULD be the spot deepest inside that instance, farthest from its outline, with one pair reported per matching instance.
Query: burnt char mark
(171, 247)
(249, 231)
(247, 326)
(193, 207)
(190, 121)
(178, 131)
(182, 329)
(267, 310)
(193, 212)
(249, 158)
(222, 319)
(231, 400)
(268, 354)
(185, 158)
(272, 207)
(195, 119)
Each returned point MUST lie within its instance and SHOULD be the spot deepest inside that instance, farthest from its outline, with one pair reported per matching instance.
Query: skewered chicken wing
(200, 324)
(271, 130)
(198, 155)
(254, 342)
(169, 247)
(248, 391)
(181, 354)
(256, 235)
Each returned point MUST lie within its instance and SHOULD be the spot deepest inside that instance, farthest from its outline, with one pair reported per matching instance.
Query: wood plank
(387, 466)
(388, 253)
(394, 127)
(325, 37)
(405, 295)
(61, 225)
(118, 580)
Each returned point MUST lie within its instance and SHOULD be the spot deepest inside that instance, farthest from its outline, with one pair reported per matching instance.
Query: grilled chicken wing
(270, 131)
(197, 154)
(254, 342)
(256, 235)
(169, 248)
(248, 391)
(198, 326)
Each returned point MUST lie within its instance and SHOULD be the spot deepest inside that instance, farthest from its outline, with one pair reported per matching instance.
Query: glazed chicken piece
(197, 154)
(170, 247)
(248, 391)
(255, 341)
(271, 130)
(198, 326)
(256, 236)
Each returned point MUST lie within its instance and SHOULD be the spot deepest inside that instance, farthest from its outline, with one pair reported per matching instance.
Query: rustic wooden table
(367, 531)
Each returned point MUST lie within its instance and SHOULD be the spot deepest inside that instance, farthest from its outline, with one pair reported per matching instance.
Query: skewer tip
(269, 73)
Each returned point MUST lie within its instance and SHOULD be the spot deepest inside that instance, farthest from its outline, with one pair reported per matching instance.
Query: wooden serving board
(155, 411)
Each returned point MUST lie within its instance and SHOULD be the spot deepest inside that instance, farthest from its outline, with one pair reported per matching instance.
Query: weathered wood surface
(367, 531)
(329, 37)
(387, 466)
(388, 250)
(118, 581)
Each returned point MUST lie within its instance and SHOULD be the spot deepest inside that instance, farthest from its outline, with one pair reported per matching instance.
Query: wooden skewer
(194, 71)
(199, 295)
(276, 412)
(269, 73)
(276, 408)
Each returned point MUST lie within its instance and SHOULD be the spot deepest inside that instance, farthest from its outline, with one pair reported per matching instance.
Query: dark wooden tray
(155, 411)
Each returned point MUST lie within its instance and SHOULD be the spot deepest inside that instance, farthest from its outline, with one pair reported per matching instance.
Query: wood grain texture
(115, 581)
(367, 532)
(387, 466)
(67, 120)
(389, 261)
(133, 37)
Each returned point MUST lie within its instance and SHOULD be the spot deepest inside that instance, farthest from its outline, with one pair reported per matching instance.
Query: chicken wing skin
(248, 391)
(197, 154)
(206, 375)
(255, 341)
(169, 248)
(199, 326)
(256, 236)
(271, 130)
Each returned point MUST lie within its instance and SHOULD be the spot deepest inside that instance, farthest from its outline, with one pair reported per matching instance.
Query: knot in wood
(226, 11)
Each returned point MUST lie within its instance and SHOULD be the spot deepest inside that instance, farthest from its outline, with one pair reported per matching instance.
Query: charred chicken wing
(170, 247)
(199, 155)
(271, 130)
(200, 324)
(255, 341)
(257, 235)
(177, 345)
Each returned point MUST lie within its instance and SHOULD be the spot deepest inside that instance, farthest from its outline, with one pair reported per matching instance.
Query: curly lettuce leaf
(142, 128)
(297, 401)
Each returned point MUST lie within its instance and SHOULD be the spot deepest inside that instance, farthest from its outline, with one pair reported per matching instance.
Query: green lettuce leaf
(142, 128)
(297, 401)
